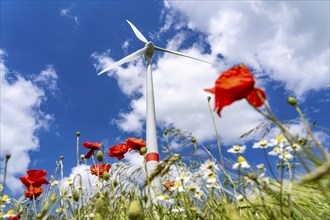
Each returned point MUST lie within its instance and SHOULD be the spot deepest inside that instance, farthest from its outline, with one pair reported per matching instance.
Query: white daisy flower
(261, 144)
(177, 209)
(6, 199)
(241, 163)
(193, 187)
(213, 186)
(294, 147)
(236, 149)
(209, 165)
(261, 167)
(239, 198)
(276, 151)
(278, 141)
(165, 198)
(199, 194)
(177, 186)
(285, 155)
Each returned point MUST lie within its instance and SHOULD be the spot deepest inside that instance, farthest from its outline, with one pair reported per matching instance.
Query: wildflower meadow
(292, 183)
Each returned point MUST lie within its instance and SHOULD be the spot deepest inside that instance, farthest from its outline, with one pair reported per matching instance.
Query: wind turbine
(152, 156)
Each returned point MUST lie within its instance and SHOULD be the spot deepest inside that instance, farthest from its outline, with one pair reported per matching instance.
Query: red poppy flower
(135, 144)
(34, 178)
(232, 85)
(254, 99)
(168, 185)
(16, 217)
(118, 151)
(100, 169)
(33, 192)
(91, 145)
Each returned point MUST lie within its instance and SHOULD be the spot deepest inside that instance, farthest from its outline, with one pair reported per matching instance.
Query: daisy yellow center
(10, 211)
(5, 197)
(295, 146)
(280, 138)
(209, 166)
(237, 148)
(192, 188)
(178, 184)
(286, 153)
(211, 175)
(263, 143)
(166, 197)
(276, 149)
(240, 159)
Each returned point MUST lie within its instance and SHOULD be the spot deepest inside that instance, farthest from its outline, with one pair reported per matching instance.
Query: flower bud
(143, 150)
(53, 197)
(193, 139)
(75, 195)
(61, 157)
(165, 132)
(134, 210)
(99, 156)
(292, 101)
(115, 183)
(8, 156)
(208, 98)
(78, 134)
(105, 176)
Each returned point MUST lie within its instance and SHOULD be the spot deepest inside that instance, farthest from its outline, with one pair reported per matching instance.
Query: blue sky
(51, 52)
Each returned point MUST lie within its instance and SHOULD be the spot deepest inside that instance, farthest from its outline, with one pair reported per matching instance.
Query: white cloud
(289, 39)
(21, 117)
(67, 12)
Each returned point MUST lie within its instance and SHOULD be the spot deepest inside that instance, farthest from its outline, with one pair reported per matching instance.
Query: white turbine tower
(152, 157)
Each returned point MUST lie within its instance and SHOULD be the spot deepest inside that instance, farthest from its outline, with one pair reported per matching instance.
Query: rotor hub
(150, 50)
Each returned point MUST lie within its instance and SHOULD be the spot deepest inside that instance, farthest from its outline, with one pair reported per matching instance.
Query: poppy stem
(77, 149)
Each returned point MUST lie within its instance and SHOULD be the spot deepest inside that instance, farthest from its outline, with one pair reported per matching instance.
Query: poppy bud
(39, 216)
(64, 192)
(82, 157)
(165, 132)
(61, 157)
(134, 210)
(99, 156)
(232, 185)
(77, 133)
(208, 98)
(115, 183)
(105, 176)
(193, 139)
(8, 156)
(75, 195)
(292, 101)
(143, 150)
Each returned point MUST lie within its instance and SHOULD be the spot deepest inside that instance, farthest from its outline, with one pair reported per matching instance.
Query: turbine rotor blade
(130, 57)
(180, 54)
(137, 33)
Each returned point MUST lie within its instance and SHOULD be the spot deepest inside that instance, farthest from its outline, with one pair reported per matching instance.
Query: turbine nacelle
(150, 49)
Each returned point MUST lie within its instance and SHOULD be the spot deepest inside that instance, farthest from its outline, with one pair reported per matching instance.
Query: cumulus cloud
(286, 41)
(21, 116)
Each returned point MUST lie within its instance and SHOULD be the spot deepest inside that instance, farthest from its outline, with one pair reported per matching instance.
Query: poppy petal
(256, 97)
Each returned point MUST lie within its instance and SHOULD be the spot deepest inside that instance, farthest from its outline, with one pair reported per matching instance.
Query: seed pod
(134, 210)
(105, 176)
(99, 156)
(143, 150)
(292, 101)
(75, 195)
